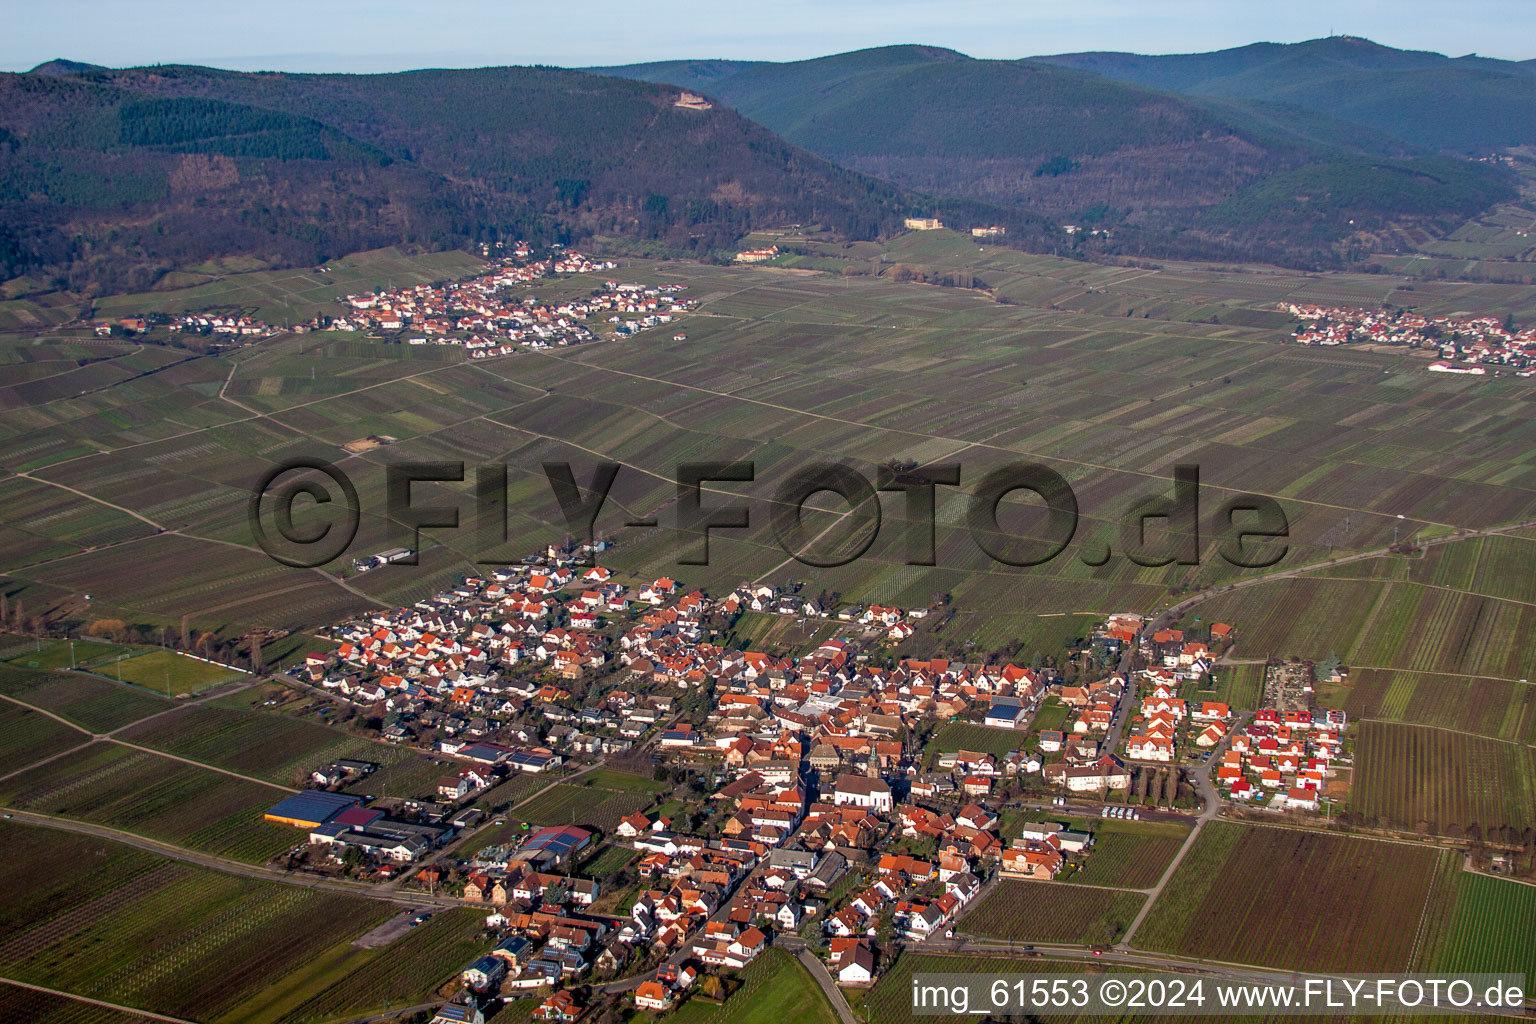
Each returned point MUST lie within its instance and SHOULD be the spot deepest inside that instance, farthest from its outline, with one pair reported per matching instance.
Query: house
(855, 965)
(652, 995)
(485, 974)
(632, 826)
(561, 1007)
(457, 1013)
(1032, 860)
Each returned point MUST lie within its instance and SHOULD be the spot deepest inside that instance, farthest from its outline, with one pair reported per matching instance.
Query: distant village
(829, 804)
(1471, 346)
(480, 315)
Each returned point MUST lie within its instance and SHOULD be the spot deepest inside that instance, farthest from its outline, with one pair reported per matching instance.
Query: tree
(110, 629)
(186, 632)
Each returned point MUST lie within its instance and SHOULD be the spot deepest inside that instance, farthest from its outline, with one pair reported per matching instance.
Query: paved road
(829, 987)
(1210, 806)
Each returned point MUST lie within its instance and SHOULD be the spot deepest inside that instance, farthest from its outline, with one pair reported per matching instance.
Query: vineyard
(1282, 897)
(164, 936)
(1497, 708)
(982, 738)
(20, 1004)
(281, 749)
(27, 736)
(1439, 781)
(91, 703)
(1491, 930)
(406, 971)
(167, 800)
(1028, 911)
(575, 804)
(1131, 854)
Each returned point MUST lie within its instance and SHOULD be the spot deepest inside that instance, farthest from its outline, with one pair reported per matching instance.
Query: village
(482, 315)
(813, 799)
(1477, 344)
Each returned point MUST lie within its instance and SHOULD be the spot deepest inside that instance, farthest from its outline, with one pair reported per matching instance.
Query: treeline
(108, 187)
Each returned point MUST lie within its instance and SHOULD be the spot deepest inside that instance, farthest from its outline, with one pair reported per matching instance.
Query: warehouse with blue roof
(310, 809)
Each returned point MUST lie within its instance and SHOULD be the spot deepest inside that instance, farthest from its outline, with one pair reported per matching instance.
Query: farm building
(554, 845)
(309, 809)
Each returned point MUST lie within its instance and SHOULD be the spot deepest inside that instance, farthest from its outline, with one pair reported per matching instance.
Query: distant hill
(60, 66)
(113, 176)
(1464, 104)
(1074, 144)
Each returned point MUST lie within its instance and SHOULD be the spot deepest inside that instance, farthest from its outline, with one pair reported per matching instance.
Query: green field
(982, 738)
(169, 673)
(774, 988)
(1051, 912)
(1490, 930)
(26, 652)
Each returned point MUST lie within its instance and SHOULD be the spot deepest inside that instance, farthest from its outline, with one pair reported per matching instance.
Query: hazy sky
(390, 35)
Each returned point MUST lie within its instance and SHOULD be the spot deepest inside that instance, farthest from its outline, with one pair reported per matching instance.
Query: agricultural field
(1490, 929)
(1328, 902)
(407, 971)
(89, 702)
(20, 1004)
(1131, 854)
(274, 747)
(575, 804)
(1441, 781)
(1497, 708)
(1371, 623)
(164, 936)
(288, 296)
(170, 673)
(1051, 912)
(791, 367)
(623, 782)
(983, 738)
(609, 860)
(28, 736)
(154, 796)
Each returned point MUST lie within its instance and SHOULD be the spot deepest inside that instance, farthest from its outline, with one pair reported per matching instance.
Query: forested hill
(1467, 104)
(113, 176)
(1169, 173)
